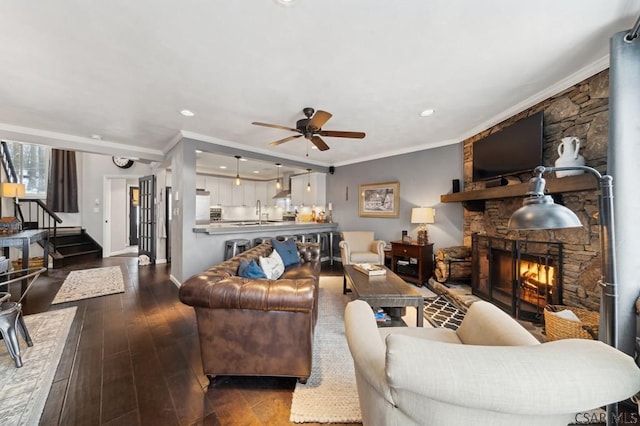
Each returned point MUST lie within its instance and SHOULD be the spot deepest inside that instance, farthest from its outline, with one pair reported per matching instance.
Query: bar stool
(288, 237)
(334, 246)
(10, 319)
(259, 240)
(325, 249)
(235, 246)
(309, 238)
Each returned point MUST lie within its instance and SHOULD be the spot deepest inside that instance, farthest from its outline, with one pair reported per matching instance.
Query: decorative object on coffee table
(423, 215)
(369, 269)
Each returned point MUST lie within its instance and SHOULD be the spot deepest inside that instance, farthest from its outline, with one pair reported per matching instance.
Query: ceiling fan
(311, 129)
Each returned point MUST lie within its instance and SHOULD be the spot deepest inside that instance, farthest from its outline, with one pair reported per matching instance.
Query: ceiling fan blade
(318, 120)
(339, 134)
(319, 143)
(275, 126)
(290, 138)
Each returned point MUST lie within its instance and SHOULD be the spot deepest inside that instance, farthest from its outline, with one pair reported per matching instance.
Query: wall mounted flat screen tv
(512, 150)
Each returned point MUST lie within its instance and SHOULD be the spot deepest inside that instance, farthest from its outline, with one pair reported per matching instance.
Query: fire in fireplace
(520, 276)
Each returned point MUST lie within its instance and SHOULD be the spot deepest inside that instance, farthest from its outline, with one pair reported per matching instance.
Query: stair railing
(38, 216)
(7, 164)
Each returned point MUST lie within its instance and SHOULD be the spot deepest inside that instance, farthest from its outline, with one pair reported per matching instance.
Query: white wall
(423, 177)
(94, 169)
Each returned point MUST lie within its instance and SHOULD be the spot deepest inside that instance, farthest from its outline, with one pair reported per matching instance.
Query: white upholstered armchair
(488, 372)
(361, 247)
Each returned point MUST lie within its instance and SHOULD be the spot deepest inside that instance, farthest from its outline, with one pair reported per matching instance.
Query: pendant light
(278, 184)
(238, 169)
(308, 180)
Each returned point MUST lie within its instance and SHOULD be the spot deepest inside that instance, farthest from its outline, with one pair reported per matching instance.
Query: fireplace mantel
(584, 182)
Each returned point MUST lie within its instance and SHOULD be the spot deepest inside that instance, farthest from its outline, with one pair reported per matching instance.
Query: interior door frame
(106, 211)
(133, 216)
(147, 212)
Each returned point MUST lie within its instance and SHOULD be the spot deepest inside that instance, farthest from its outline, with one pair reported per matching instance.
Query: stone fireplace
(581, 111)
(520, 276)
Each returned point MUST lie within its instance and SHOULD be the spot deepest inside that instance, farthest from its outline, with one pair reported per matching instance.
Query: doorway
(134, 222)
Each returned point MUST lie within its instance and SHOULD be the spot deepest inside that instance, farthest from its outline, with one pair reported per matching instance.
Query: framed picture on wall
(379, 199)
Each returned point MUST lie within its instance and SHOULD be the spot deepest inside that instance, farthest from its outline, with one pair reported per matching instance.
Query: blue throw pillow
(250, 270)
(287, 250)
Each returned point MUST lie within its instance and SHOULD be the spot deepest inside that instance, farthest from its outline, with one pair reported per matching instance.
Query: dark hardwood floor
(133, 359)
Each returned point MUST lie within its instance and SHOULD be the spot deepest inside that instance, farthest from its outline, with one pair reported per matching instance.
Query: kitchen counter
(253, 227)
(211, 238)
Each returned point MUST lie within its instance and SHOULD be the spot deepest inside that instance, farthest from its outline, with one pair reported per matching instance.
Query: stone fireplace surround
(583, 111)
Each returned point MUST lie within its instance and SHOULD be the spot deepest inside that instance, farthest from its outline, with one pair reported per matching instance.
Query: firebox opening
(521, 277)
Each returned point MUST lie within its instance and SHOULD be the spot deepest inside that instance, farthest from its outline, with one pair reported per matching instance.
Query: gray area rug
(441, 312)
(87, 283)
(330, 395)
(24, 391)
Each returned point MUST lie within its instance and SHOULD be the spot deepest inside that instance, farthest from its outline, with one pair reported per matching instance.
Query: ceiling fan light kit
(311, 128)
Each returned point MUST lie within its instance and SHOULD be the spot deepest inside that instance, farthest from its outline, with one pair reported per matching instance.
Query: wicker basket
(559, 328)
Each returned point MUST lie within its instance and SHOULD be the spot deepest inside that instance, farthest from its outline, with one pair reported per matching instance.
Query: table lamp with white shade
(13, 190)
(423, 216)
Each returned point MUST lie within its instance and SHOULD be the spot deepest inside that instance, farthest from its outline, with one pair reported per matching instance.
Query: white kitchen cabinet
(225, 191)
(211, 185)
(249, 193)
(318, 194)
(261, 193)
(271, 192)
(201, 181)
(237, 193)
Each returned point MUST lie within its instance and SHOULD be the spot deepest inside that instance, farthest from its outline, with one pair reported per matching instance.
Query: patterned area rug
(24, 391)
(440, 312)
(330, 395)
(87, 283)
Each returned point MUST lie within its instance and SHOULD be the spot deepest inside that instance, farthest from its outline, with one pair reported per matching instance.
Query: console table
(419, 272)
(23, 240)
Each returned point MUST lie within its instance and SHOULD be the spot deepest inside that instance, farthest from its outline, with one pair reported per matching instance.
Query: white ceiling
(124, 69)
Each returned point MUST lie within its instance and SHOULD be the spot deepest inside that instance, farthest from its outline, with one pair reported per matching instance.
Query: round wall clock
(123, 163)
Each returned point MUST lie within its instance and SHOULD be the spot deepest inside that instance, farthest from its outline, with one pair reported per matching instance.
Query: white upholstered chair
(361, 247)
(488, 372)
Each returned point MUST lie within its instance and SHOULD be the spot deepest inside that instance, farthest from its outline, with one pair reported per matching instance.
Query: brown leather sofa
(256, 327)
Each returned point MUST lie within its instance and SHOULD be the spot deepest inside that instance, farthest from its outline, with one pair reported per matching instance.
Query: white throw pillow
(273, 266)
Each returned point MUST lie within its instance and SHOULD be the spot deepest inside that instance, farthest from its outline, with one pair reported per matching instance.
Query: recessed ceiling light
(243, 159)
(223, 167)
(198, 151)
(427, 112)
(187, 113)
(256, 171)
(286, 2)
(96, 137)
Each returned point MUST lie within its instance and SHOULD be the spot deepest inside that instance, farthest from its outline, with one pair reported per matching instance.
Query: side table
(418, 272)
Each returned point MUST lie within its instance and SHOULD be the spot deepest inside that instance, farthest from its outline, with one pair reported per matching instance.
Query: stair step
(76, 258)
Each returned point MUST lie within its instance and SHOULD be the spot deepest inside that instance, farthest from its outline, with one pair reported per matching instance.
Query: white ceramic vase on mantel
(569, 156)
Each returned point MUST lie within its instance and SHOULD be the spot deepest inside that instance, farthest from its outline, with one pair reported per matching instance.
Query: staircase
(72, 246)
(67, 245)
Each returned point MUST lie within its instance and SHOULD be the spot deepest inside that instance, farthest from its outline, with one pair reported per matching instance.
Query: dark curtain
(62, 188)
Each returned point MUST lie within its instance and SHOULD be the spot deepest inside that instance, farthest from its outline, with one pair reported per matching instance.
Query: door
(168, 223)
(134, 201)
(147, 228)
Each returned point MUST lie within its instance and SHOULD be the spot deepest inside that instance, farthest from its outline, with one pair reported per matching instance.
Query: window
(31, 163)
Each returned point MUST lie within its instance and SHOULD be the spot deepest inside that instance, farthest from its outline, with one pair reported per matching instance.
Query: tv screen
(512, 150)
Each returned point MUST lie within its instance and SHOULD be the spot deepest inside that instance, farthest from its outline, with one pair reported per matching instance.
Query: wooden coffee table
(384, 291)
